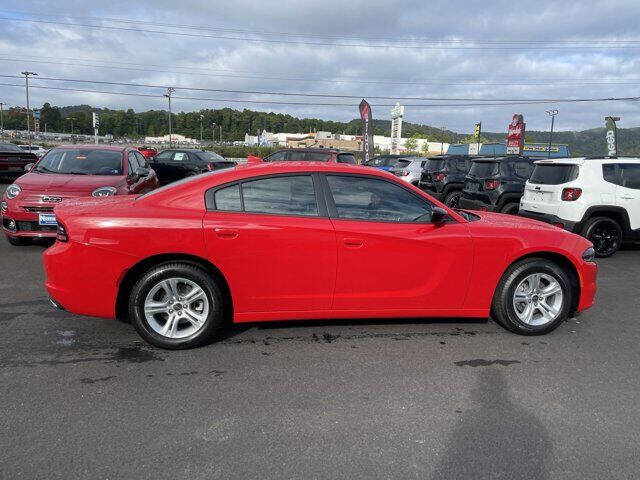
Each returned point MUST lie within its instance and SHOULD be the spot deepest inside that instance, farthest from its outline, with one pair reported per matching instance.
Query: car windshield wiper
(43, 169)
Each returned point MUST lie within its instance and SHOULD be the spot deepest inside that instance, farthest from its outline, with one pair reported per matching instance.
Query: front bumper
(553, 219)
(588, 285)
(471, 204)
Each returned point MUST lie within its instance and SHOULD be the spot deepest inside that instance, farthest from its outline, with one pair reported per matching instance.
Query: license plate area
(47, 219)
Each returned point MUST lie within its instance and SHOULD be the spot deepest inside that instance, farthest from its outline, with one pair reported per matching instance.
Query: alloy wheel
(605, 238)
(176, 307)
(537, 300)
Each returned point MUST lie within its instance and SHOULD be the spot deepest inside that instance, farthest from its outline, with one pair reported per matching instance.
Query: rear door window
(484, 169)
(290, 195)
(228, 199)
(555, 174)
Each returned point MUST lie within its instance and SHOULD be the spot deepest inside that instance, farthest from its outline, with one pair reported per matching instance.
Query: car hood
(60, 183)
(503, 220)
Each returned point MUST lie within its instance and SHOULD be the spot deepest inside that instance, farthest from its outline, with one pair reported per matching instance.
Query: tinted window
(228, 198)
(347, 158)
(141, 160)
(461, 165)
(630, 175)
(522, 169)
(9, 147)
(81, 161)
(553, 174)
(372, 199)
(403, 163)
(293, 195)
(166, 155)
(377, 162)
(132, 163)
(276, 157)
(484, 169)
(209, 156)
(434, 165)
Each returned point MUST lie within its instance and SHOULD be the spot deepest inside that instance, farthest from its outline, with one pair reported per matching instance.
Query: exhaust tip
(55, 304)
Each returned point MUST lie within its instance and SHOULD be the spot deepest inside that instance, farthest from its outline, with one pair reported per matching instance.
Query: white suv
(409, 169)
(598, 198)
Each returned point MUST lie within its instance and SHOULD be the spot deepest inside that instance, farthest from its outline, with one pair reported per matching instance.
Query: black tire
(503, 310)
(452, 200)
(511, 208)
(18, 241)
(187, 271)
(605, 234)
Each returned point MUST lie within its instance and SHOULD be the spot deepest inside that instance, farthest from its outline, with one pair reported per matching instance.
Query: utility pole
(26, 81)
(553, 114)
(201, 118)
(71, 120)
(2, 119)
(170, 91)
(220, 133)
(442, 141)
(213, 132)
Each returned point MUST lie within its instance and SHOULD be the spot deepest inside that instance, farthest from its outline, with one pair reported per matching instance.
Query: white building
(177, 138)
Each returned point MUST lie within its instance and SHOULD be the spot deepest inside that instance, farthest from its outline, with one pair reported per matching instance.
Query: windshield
(9, 147)
(553, 174)
(209, 156)
(81, 161)
(434, 165)
(484, 169)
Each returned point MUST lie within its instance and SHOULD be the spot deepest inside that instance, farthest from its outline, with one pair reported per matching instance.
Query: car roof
(504, 158)
(583, 160)
(92, 146)
(311, 149)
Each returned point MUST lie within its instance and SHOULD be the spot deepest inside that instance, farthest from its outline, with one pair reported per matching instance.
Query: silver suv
(409, 169)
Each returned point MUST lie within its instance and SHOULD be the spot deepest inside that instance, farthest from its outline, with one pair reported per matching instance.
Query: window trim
(333, 211)
(210, 203)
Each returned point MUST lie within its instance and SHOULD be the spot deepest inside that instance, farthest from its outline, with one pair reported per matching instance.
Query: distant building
(175, 137)
(529, 149)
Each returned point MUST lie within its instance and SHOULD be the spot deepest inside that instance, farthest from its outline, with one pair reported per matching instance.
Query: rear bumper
(568, 225)
(470, 204)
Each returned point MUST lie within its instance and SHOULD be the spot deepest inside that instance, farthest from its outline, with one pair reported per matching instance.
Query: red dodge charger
(277, 241)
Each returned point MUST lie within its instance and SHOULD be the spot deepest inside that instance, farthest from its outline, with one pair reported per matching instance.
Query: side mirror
(141, 172)
(438, 215)
(29, 166)
(254, 159)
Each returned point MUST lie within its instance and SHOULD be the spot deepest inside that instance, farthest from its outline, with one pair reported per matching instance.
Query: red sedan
(277, 241)
(68, 172)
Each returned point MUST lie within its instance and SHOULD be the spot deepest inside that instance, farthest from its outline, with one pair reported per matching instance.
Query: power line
(438, 41)
(354, 105)
(318, 95)
(325, 44)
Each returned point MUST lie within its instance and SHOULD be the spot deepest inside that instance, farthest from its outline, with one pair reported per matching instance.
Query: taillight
(438, 177)
(571, 194)
(61, 233)
(491, 184)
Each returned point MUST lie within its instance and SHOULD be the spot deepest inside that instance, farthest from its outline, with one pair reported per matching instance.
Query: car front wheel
(176, 306)
(533, 297)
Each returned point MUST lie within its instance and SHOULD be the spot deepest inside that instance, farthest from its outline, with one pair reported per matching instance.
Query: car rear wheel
(452, 199)
(533, 297)
(18, 241)
(605, 234)
(510, 208)
(176, 306)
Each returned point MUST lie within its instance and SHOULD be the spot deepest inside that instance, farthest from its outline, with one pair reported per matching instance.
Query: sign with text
(515, 136)
(367, 131)
(612, 136)
(474, 146)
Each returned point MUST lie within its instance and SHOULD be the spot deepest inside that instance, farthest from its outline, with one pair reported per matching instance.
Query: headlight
(13, 191)
(589, 255)
(104, 192)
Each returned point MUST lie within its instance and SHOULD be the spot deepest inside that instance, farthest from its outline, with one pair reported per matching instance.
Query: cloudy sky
(526, 50)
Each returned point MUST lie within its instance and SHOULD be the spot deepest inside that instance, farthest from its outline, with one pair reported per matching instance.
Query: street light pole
(442, 141)
(213, 132)
(71, 120)
(220, 133)
(1, 119)
(553, 114)
(170, 90)
(201, 118)
(26, 81)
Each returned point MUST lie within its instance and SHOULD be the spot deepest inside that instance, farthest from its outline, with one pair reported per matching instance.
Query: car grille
(39, 209)
(35, 227)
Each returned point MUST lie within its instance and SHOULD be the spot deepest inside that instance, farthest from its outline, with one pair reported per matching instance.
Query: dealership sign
(515, 136)
(367, 131)
(612, 136)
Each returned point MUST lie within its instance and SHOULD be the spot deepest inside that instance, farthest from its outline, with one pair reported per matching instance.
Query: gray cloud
(74, 52)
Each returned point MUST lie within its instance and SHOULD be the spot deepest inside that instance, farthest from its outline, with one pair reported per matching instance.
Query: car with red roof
(303, 241)
(70, 172)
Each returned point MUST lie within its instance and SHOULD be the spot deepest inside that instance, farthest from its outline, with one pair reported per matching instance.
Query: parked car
(409, 169)
(598, 198)
(37, 150)
(307, 241)
(148, 152)
(174, 164)
(13, 160)
(385, 162)
(443, 177)
(311, 155)
(70, 172)
(496, 184)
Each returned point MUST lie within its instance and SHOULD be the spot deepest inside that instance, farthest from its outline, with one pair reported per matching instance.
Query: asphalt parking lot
(86, 398)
